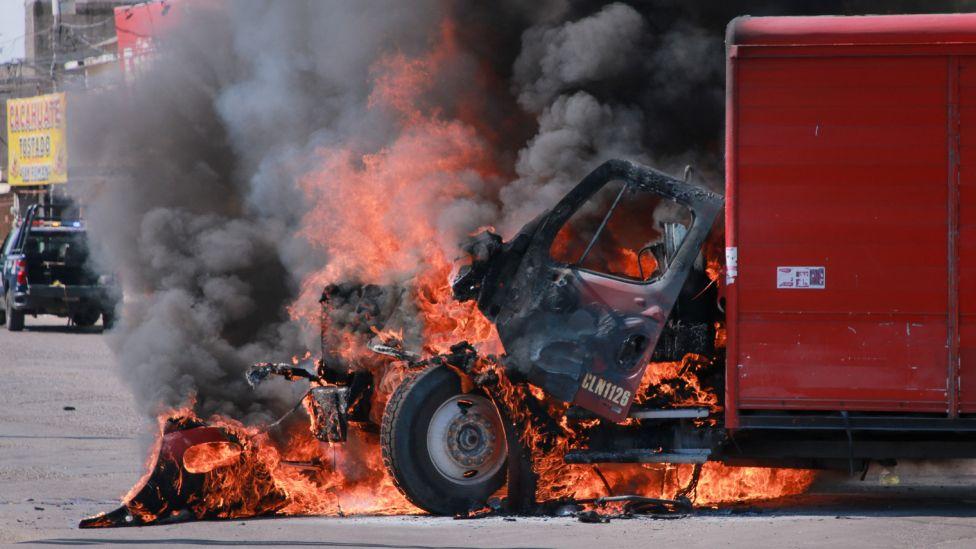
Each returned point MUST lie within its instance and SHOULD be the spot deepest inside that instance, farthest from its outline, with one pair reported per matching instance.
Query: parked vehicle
(46, 271)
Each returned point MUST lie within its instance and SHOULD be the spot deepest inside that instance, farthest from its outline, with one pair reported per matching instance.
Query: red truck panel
(848, 145)
(967, 233)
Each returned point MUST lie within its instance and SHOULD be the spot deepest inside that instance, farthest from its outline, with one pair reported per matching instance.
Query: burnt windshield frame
(633, 188)
(703, 204)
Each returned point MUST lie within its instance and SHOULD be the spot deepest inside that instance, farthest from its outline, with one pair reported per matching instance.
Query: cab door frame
(559, 323)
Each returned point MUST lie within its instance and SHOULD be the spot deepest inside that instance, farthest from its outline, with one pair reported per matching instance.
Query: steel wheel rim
(466, 439)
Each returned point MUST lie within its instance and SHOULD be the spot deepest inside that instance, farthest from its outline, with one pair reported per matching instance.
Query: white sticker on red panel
(731, 264)
(801, 278)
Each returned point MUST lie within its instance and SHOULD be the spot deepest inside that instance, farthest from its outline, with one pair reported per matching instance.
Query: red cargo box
(851, 221)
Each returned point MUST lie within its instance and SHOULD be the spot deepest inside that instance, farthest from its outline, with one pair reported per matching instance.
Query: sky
(11, 30)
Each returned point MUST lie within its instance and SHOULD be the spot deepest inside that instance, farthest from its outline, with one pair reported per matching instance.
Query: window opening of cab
(623, 231)
(603, 225)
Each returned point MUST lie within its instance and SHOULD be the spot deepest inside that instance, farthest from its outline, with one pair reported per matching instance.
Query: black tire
(15, 318)
(3, 312)
(85, 319)
(108, 320)
(404, 441)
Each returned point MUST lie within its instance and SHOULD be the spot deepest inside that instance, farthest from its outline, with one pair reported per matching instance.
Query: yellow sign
(36, 150)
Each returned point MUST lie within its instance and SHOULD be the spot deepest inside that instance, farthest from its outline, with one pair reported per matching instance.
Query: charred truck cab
(581, 297)
(580, 303)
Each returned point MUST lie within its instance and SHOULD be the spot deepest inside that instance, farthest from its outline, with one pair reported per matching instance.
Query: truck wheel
(446, 450)
(15, 318)
(85, 319)
(108, 319)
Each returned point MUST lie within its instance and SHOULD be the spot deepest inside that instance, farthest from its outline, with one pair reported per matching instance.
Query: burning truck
(615, 331)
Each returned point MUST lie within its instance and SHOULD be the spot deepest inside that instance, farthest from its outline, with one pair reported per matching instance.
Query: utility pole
(55, 44)
(55, 27)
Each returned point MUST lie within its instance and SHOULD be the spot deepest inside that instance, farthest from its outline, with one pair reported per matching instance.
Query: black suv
(46, 271)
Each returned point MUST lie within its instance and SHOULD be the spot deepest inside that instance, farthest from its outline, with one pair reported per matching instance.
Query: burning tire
(445, 449)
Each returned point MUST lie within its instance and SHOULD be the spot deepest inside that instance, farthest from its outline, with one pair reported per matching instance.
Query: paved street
(58, 465)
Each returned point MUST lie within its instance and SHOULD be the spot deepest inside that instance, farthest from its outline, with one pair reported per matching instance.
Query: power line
(43, 32)
(88, 26)
(33, 34)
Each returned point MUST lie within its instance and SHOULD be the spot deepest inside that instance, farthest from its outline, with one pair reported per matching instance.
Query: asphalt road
(58, 465)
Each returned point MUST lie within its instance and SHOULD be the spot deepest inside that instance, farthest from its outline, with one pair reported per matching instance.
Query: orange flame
(208, 456)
